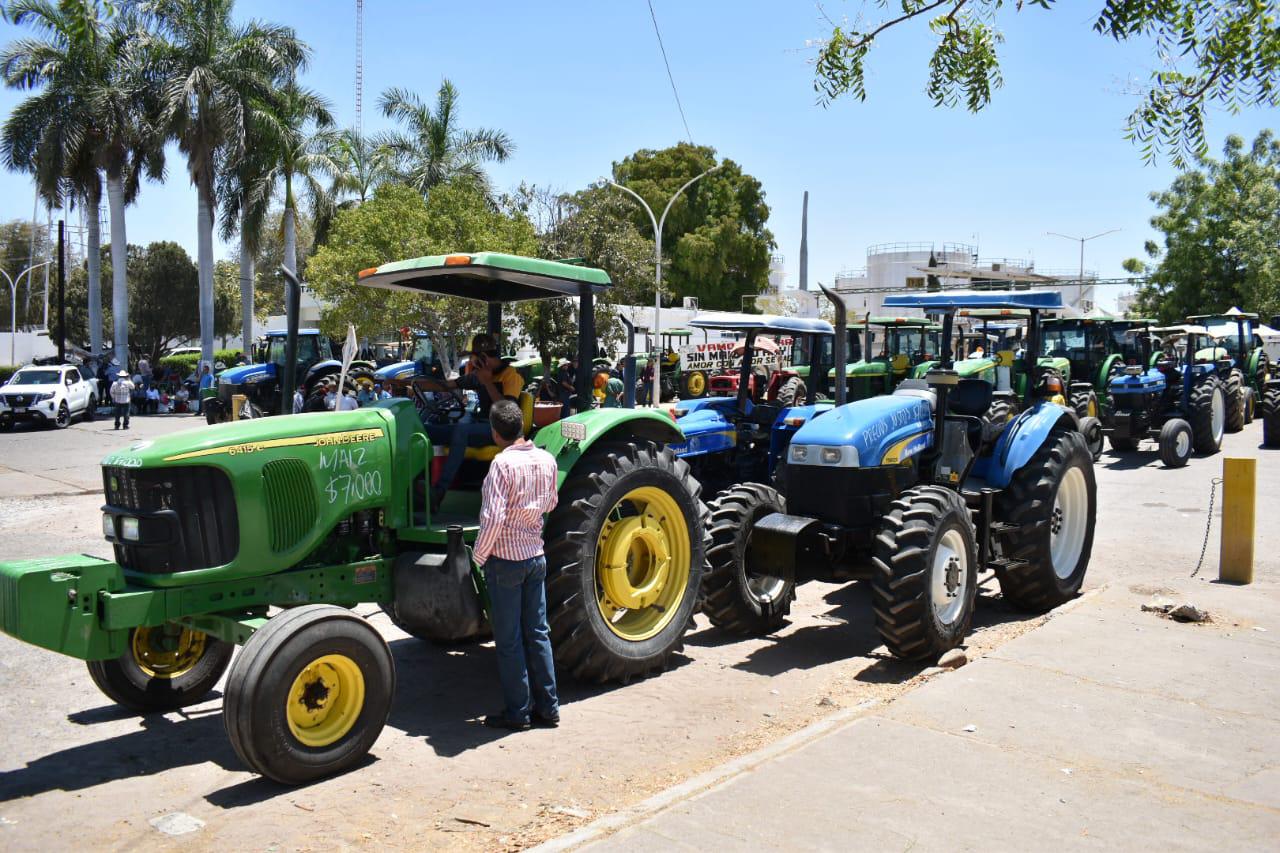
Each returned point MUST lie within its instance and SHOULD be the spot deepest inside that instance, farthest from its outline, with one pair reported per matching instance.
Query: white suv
(48, 395)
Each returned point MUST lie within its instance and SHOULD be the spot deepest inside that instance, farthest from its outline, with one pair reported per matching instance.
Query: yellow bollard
(1235, 560)
(237, 403)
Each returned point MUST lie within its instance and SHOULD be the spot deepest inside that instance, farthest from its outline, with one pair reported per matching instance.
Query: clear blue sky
(578, 85)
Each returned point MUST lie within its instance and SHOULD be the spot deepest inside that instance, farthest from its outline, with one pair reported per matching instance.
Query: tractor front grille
(189, 517)
(291, 502)
(850, 497)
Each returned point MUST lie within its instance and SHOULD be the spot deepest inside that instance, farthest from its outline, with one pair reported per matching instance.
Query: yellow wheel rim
(167, 651)
(642, 563)
(1092, 408)
(325, 700)
(697, 384)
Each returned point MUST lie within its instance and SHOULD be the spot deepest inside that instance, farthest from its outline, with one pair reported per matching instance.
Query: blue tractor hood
(399, 370)
(247, 373)
(871, 427)
(707, 427)
(1152, 380)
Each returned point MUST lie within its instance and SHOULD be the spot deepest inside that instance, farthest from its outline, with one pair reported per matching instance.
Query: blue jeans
(518, 611)
(458, 438)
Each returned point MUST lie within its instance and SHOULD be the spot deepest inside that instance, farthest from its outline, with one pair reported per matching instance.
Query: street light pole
(657, 223)
(1082, 241)
(13, 303)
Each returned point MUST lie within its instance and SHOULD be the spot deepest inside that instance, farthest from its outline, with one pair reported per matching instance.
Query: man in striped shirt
(519, 489)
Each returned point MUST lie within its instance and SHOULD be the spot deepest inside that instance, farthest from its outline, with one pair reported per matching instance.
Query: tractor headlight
(831, 455)
(108, 526)
(129, 529)
(799, 453)
(254, 379)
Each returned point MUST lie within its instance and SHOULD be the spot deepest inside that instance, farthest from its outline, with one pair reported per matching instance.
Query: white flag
(349, 348)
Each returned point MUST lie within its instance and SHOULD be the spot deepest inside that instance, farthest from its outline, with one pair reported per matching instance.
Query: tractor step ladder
(1006, 563)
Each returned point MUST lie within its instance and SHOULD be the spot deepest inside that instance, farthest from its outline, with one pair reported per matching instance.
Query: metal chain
(1213, 490)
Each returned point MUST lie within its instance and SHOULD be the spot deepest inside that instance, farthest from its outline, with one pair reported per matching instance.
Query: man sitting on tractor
(492, 379)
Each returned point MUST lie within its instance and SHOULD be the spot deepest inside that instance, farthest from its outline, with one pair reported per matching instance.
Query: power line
(670, 77)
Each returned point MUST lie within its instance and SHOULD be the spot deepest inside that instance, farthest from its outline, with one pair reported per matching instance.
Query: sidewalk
(1107, 728)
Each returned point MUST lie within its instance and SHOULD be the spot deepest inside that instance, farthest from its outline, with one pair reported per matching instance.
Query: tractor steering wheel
(446, 408)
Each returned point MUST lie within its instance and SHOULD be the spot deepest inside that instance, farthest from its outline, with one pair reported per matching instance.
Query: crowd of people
(324, 397)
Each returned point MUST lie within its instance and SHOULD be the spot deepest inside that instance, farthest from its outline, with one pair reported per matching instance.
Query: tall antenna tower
(360, 66)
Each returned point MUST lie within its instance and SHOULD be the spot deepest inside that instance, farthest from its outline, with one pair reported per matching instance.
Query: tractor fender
(321, 368)
(1255, 366)
(1109, 364)
(604, 425)
(1022, 438)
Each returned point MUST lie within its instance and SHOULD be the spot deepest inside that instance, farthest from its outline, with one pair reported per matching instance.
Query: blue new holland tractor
(735, 446)
(1180, 400)
(918, 492)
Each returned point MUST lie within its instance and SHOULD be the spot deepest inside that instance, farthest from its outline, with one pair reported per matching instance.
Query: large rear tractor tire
(1052, 504)
(925, 574)
(164, 668)
(309, 694)
(626, 548)
(740, 596)
(695, 384)
(1176, 441)
(1270, 411)
(1233, 387)
(792, 392)
(1208, 415)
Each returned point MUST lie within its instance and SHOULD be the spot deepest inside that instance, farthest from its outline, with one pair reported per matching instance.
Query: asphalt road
(76, 769)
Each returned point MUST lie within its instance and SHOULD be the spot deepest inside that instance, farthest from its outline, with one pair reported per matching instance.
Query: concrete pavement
(1107, 728)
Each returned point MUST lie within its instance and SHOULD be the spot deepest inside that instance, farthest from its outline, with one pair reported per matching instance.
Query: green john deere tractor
(264, 533)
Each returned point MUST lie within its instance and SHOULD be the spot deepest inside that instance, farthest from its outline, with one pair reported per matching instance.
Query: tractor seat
(917, 388)
(971, 397)
(489, 451)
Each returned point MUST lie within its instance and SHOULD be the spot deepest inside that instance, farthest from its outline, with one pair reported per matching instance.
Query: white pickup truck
(51, 395)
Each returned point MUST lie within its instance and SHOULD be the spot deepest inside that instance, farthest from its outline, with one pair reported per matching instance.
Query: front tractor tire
(164, 668)
(925, 573)
(1270, 411)
(740, 596)
(1208, 414)
(1085, 403)
(309, 694)
(1233, 388)
(1175, 443)
(625, 554)
(1051, 502)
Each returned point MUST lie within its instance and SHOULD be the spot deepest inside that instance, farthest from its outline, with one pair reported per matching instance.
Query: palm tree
(362, 164)
(280, 152)
(90, 118)
(432, 148)
(211, 69)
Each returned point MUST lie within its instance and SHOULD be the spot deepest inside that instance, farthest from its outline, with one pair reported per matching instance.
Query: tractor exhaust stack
(838, 347)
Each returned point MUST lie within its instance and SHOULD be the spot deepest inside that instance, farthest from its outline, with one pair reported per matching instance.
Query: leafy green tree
(397, 223)
(1223, 53)
(432, 148)
(15, 255)
(715, 236)
(211, 70)
(268, 285)
(1220, 249)
(362, 165)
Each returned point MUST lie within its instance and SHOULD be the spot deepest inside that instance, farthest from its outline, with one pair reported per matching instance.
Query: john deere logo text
(328, 439)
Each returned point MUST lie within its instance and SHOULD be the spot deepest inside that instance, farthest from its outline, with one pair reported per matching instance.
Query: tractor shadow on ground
(443, 693)
(158, 744)
(1127, 461)
(848, 631)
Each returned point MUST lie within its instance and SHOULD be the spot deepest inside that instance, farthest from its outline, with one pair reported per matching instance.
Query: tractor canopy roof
(953, 300)
(730, 322)
(1231, 313)
(487, 277)
(280, 333)
(1184, 329)
(902, 321)
(677, 333)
